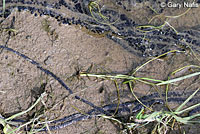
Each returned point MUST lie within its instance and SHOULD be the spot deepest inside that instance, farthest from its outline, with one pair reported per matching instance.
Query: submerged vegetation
(164, 120)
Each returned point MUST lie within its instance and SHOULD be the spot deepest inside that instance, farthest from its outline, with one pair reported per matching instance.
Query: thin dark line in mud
(123, 108)
(54, 76)
(108, 109)
(38, 66)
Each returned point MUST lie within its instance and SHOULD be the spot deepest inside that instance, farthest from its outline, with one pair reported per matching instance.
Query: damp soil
(67, 50)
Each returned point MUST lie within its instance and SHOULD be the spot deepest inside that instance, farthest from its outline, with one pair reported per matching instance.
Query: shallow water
(119, 21)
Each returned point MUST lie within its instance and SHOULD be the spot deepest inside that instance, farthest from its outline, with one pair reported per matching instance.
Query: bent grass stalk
(163, 118)
(169, 52)
(153, 82)
(178, 79)
(130, 85)
(152, 27)
(193, 53)
(173, 73)
(6, 123)
(118, 97)
(95, 5)
(118, 76)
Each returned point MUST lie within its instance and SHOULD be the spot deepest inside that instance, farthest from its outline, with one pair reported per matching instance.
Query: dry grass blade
(23, 112)
(186, 101)
(138, 68)
(178, 79)
(130, 85)
(7, 122)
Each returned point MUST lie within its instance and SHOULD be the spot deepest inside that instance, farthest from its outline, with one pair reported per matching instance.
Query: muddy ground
(67, 50)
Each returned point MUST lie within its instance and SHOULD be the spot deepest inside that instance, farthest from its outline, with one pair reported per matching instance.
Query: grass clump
(149, 27)
(96, 12)
(164, 120)
(13, 127)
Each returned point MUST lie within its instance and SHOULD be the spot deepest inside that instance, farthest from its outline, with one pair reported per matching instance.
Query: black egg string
(148, 100)
(133, 41)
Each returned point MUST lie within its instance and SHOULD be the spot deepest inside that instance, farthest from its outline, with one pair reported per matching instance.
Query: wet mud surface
(64, 38)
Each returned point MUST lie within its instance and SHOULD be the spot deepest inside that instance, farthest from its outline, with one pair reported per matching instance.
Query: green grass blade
(178, 79)
(192, 117)
(130, 85)
(186, 101)
(138, 68)
(180, 119)
(110, 118)
(4, 6)
(23, 112)
(188, 109)
(186, 120)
